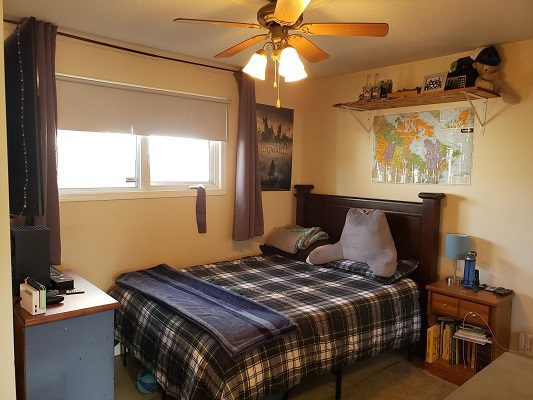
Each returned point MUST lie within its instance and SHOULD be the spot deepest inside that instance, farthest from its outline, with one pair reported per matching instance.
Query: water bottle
(470, 270)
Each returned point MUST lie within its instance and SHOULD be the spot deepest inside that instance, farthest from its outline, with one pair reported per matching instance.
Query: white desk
(507, 377)
(66, 353)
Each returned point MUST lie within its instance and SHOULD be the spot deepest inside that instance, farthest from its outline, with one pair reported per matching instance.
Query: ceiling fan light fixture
(290, 65)
(280, 17)
(256, 67)
(296, 75)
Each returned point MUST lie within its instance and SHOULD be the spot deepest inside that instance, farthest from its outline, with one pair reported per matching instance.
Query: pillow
(300, 255)
(365, 238)
(292, 238)
(404, 268)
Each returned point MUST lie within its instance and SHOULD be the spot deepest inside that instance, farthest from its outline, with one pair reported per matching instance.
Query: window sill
(125, 194)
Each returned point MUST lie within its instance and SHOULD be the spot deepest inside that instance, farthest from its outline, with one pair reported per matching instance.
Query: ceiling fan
(284, 20)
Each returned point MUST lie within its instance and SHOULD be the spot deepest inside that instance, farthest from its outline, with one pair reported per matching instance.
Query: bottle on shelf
(367, 89)
(376, 88)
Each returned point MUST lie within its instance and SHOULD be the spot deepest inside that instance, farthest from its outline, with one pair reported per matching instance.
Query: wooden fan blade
(288, 11)
(345, 29)
(220, 23)
(242, 46)
(307, 49)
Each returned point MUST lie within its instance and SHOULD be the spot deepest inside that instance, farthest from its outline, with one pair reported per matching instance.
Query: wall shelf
(446, 96)
(408, 99)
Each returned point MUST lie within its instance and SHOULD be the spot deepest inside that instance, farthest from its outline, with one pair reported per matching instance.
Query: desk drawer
(479, 309)
(445, 305)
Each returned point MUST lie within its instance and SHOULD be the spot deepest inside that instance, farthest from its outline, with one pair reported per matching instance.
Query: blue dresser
(67, 353)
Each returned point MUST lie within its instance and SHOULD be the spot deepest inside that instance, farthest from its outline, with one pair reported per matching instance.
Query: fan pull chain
(276, 84)
(275, 74)
(278, 103)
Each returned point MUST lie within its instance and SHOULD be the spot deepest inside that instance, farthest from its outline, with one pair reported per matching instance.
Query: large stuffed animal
(366, 238)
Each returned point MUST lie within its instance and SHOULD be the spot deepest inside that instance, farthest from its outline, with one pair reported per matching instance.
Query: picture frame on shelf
(434, 82)
(455, 82)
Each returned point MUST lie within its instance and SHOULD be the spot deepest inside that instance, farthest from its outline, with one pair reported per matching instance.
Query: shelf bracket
(368, 126)
(483, 111)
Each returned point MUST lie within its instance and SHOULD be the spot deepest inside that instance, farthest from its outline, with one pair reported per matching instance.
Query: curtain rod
(144, 53)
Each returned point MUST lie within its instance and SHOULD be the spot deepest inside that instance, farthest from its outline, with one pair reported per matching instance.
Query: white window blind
(91, 105)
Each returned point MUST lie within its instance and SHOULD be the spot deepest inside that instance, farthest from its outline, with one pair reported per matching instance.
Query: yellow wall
(7, 370)
(103, 238)
(495, 209)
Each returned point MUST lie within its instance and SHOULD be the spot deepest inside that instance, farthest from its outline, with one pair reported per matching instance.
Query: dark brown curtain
(45, 47)
(248, 214)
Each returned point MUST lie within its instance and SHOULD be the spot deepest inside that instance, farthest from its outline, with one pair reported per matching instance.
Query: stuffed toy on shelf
(486, 63)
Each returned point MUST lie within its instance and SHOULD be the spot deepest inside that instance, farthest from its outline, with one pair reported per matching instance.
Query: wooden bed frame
(414, 226)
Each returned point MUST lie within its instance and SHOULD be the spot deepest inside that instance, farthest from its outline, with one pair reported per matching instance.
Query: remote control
(498, 290)
(54, 300)
(502, 291)
(74, 291)
(51, 293)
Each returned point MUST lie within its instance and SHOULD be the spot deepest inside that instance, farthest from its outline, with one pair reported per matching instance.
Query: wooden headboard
(414, 226)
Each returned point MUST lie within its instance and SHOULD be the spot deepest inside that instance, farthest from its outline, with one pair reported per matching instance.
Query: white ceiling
(419, 29)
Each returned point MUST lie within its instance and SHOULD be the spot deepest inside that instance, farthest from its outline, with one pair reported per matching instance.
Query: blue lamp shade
(457, 246)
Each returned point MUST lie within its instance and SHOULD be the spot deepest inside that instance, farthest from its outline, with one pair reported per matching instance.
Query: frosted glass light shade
(296, 76)
(256, 67)
(457, 246)
(290, 65)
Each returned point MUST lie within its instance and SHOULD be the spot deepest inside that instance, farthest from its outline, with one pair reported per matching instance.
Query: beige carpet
(388, 377)
(399, 381)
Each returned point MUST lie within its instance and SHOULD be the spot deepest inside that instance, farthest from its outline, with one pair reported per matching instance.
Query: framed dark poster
(274, 138)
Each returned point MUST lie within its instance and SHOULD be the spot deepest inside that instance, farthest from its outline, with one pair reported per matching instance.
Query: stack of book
(473, 334)
(458, 344)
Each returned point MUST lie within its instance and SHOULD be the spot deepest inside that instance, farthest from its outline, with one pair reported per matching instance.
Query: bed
(340, 317)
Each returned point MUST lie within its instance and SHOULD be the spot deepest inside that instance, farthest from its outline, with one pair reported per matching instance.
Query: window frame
(145, 190)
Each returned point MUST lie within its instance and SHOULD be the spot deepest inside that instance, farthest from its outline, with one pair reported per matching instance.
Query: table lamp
(457, 246)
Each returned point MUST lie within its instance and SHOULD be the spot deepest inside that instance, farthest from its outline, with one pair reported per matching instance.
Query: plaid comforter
(341, 317)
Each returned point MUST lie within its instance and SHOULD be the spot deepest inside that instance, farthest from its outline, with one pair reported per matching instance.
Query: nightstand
(455, 302)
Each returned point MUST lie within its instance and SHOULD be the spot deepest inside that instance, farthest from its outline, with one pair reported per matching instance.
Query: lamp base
(456, 280)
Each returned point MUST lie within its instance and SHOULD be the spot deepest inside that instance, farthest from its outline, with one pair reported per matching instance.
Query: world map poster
(430, 147)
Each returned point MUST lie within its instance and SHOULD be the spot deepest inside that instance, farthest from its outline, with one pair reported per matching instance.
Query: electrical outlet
(522, 342)
(529, 342)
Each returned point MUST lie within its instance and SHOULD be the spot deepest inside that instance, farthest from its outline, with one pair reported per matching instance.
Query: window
(115, 155)
(118, 140)
(178, 160)
(98, 163)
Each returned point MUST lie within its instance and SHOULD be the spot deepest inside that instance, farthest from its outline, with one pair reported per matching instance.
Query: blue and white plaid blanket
(341, 317)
